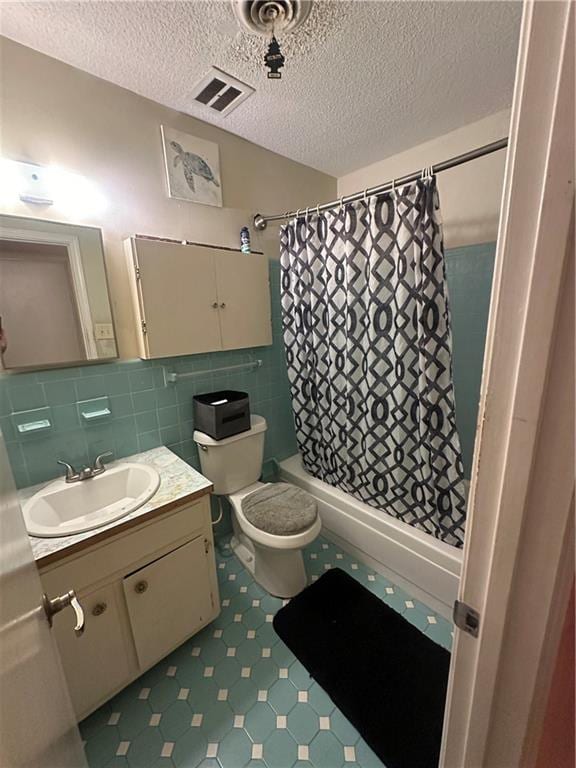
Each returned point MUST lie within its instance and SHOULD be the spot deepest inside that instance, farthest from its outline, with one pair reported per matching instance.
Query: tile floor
(234, 695)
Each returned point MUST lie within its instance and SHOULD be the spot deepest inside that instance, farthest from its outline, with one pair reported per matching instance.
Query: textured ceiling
(362, 81)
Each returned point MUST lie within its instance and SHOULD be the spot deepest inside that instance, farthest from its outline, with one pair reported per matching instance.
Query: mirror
(54, 302)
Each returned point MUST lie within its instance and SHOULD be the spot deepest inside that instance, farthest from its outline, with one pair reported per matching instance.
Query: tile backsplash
(145, 413)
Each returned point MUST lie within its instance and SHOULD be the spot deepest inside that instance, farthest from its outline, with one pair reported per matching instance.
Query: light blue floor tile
(280, 750)
(303, 723)
(235, 750)
(175, 721)
(282, 697)
(319, 700)
(343, 729)
(133, 720)
(326, 751)
(234, 695)
(260, 722)
(243, 695)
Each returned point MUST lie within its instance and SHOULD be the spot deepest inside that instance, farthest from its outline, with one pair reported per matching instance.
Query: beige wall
(51, 113)
(470, 194)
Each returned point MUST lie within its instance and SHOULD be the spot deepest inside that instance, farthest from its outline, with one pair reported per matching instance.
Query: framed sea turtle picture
(192, 168)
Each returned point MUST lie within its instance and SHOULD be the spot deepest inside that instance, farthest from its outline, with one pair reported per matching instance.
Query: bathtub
(427, 568)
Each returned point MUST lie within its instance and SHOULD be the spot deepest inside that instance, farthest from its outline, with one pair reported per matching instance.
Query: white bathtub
(425, 567)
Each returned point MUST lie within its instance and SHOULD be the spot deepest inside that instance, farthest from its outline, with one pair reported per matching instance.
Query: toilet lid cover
(280, 509)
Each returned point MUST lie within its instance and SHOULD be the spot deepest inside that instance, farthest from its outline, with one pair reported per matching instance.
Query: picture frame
(192, 167)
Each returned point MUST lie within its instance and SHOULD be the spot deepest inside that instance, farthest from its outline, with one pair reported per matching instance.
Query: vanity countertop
(179, 483)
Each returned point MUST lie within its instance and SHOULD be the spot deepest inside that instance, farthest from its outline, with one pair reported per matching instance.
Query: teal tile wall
(145, 413)
(469, 273)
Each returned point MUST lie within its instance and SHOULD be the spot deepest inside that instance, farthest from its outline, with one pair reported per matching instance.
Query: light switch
(103, 331)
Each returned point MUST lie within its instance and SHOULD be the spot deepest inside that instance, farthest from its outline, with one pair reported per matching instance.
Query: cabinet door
(169, 600)
(177, 293)
(96, 663)
(244, 298)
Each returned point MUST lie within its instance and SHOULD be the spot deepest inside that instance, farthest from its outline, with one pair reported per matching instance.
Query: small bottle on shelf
(245, 240)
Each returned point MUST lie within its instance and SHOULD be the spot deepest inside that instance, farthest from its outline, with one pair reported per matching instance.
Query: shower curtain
(366, 326)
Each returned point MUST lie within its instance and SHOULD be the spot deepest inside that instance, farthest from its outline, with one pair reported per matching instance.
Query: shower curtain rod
(260, 221)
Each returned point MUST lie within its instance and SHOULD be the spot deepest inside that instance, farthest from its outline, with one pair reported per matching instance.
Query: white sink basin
(61, 509)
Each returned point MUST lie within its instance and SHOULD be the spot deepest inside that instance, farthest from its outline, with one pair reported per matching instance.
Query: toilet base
(280, 572)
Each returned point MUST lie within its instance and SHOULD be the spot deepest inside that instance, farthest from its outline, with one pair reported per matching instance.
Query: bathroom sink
(61, 509)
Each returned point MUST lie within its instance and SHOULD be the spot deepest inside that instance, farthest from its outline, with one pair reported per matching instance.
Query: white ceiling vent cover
(221, 92)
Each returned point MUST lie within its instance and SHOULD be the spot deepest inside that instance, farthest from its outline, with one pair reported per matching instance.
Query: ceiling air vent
(221, 92)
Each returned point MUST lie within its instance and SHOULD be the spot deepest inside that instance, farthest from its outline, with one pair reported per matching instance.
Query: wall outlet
(103, 331)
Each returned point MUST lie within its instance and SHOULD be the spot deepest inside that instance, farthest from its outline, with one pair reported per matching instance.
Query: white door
(37, 724)
(244, 299)
(518, 567)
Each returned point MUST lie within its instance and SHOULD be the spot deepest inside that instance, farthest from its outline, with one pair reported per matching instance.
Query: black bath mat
(386, 677)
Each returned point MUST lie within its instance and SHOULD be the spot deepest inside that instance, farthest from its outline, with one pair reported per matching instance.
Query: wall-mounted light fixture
(48, 185)
(27, 181)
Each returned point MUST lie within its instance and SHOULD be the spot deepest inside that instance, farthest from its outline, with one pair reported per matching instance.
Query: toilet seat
(265, 539)
(280, 508)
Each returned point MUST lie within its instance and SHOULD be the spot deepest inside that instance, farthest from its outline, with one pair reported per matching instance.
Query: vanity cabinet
(191, 298)
(144, 592)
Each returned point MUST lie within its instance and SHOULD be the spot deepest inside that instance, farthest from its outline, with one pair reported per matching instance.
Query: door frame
(499, 681)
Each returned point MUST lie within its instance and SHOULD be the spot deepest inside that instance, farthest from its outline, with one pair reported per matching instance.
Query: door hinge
(212, 599)
(137, 270)
(144, 327)
(466, 618)
(206, 546)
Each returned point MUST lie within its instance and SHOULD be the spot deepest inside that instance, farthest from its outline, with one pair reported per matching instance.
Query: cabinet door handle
(141, 587)
(99, 609)
(222, 305)
(215, 305)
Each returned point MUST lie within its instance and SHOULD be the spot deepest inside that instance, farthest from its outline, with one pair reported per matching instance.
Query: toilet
(272, 522)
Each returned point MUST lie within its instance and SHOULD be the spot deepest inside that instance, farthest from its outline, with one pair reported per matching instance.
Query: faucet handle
(70, 471)
(98, 463)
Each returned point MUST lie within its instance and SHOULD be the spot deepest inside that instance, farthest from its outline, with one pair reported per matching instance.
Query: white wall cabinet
(196, 298)
(144, 592)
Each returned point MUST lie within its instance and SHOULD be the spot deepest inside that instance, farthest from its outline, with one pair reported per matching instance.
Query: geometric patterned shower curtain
(368, 344)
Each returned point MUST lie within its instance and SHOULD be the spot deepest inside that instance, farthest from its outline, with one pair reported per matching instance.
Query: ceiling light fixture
(268, 18)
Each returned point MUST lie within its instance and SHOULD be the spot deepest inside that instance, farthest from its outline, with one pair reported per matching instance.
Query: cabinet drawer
(169, 600)
(95, 663)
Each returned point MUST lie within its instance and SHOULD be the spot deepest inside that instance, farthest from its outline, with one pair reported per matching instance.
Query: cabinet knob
(99, 609)
(141, 587)
(222, 305)
(215, 305)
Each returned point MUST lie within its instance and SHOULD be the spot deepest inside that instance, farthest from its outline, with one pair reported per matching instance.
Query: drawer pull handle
(99, 609)
(141, 587)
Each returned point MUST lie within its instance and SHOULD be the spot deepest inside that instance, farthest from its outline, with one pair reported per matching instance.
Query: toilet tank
(235, 462)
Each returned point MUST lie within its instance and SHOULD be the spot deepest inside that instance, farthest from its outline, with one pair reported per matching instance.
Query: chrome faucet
(72, 476)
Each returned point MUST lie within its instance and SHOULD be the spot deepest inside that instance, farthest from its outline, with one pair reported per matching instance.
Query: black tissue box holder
(222, 414)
